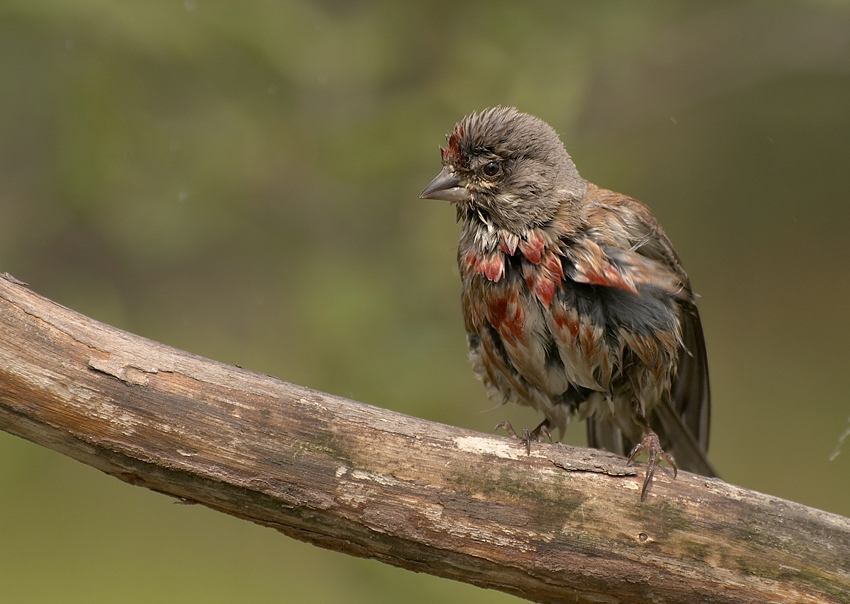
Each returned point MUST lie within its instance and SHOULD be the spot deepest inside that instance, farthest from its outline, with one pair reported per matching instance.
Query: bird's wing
(639, 248)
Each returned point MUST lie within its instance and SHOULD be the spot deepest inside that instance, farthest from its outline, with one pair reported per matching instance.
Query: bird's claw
(527, 435)
(652, 445)
(507, 427)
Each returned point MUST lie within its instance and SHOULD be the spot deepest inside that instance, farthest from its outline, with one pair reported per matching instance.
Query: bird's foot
(652, 445)
(527, 435)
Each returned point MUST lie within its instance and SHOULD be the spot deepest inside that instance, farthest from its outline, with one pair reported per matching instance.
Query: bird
(575, 302)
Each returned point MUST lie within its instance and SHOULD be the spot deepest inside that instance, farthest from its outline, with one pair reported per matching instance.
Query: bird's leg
(527, 435)
(652, 445)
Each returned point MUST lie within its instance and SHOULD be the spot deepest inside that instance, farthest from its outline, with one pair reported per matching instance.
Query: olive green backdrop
(241, 180)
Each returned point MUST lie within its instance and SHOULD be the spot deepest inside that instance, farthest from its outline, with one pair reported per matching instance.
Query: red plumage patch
(471, 260)
(505, 313)
(508, 248)
(544, 278)
(609, 277)
(492, 267)
(552, 264)
(544, 289)
(532, 248)
(452, 152)
(564, 320)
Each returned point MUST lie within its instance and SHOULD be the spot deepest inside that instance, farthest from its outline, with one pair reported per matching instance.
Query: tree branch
(563, 524)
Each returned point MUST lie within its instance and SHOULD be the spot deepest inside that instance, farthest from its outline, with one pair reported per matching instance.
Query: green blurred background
(241, 180)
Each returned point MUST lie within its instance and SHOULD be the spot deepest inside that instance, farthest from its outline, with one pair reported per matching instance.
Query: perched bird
(574, 301)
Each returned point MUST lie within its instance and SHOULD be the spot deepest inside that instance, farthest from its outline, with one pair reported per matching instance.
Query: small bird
(574, 301)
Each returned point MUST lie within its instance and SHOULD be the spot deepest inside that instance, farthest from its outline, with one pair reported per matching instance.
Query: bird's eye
(492, 169)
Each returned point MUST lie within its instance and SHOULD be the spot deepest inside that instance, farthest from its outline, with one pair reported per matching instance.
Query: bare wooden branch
(563, 524)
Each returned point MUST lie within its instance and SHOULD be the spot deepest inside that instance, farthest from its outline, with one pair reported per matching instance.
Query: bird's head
(507, 169)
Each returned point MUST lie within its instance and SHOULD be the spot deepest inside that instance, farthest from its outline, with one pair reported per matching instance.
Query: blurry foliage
(240, 179)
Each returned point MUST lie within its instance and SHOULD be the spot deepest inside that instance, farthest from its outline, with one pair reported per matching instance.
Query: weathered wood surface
(564, 524)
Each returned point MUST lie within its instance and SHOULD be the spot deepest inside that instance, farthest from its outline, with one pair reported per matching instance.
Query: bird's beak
(446, 187)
